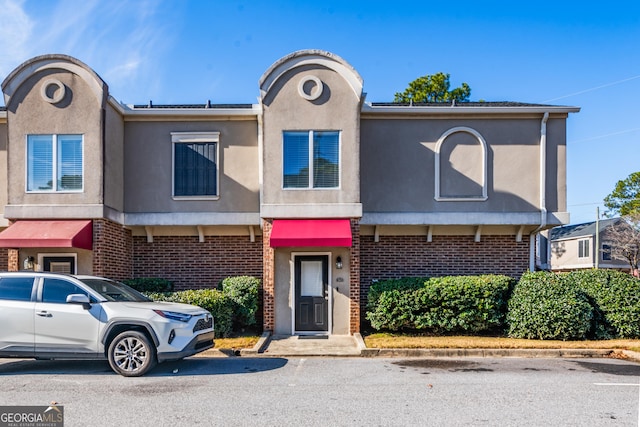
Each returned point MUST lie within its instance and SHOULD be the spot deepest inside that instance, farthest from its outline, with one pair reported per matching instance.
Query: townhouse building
(314, 189)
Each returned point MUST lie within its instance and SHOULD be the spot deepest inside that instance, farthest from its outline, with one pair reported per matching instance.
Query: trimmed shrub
(220, 305)
(243, 292)
(462, 303)
(402, 284)
(446, 304)
(150, 284)
(615, 296)
(546, 306)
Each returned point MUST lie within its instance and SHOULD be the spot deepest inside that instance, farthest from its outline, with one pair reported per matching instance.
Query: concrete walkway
(307, 345)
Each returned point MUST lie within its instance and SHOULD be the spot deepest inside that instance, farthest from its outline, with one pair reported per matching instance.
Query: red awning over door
(48, 234)
(310, 232)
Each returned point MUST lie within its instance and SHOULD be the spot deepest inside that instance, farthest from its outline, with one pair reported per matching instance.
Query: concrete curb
(259, 347)
(263, 343)
(483, 352)
(631, 355)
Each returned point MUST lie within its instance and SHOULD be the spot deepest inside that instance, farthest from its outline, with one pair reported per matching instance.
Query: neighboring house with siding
(312, 189)
(575, 247)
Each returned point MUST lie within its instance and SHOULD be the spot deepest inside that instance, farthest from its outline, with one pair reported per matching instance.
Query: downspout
(543, 192)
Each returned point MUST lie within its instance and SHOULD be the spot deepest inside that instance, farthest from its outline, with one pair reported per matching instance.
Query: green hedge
(233, 307)
(615, 296)
(378, 288)
(150, 284)
(213, 300)
(546, 306)
(586, 304)
(439, 305)
(243, 292)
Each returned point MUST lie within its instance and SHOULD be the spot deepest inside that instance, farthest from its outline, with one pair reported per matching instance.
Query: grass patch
(236, 342)
(387, 340)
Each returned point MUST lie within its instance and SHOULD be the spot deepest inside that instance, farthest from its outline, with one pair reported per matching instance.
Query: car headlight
(172, 315)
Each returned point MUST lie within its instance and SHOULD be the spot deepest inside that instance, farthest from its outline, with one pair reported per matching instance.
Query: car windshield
(114, 291)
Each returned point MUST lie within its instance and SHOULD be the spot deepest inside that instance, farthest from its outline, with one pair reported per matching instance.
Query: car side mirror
(79, 299)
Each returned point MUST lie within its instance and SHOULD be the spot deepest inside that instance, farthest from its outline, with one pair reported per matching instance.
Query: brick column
(112, 250)
(354, 278)
(13, 260)
(268, 278)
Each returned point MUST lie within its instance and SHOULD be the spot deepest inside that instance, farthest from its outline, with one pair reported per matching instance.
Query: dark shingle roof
(459, 104)
(191, 106)
(580, 230)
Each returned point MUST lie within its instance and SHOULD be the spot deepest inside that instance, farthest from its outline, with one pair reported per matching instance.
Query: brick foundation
(190, 264)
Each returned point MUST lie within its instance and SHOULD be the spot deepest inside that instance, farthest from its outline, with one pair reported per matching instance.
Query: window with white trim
(195, 164)
(606, 252)
(583, 248)
(55, 163)
(311, 159)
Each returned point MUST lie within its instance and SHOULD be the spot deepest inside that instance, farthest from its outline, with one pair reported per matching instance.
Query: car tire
(131, 354)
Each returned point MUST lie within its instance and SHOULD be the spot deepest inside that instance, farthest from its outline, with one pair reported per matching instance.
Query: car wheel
(131, 354)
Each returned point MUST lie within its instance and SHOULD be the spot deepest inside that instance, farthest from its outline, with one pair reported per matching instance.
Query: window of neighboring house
(311, 159)
(195, 164)
(606, 252)
(55, 163)
(583, 248)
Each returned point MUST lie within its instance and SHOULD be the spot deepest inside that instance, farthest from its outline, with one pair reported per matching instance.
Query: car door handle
(44, 314)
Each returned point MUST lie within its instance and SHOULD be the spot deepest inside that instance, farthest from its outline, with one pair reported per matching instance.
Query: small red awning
(310, 232)
(48, 234)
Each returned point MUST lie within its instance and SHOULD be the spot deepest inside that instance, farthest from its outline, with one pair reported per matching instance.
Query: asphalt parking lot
(279, 391)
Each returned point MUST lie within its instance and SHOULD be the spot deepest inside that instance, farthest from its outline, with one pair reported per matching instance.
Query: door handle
(44, 314)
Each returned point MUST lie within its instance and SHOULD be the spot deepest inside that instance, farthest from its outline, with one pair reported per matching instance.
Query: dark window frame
(195, 165)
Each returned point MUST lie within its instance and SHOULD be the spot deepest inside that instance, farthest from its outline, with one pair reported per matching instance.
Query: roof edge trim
(309, 57)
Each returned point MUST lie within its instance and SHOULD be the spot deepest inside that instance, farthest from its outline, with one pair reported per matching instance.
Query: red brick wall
(112, 250)
(402, 256)
(268, 282)
(4, 259)
(354, 278)
(190, 264)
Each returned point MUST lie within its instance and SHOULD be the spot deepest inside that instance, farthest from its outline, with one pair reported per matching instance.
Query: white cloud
(122, 40)
(15, 32)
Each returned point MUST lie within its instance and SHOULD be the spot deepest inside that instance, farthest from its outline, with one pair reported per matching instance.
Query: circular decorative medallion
(52, 91)
(310, 88)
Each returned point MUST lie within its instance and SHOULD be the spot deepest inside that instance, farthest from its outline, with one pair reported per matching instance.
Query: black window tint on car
(16, 288)
(57, 290)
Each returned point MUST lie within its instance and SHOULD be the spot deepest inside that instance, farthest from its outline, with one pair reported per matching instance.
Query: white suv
(58, 316)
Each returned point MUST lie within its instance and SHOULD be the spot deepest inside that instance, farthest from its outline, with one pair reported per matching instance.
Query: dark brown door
(312, 293)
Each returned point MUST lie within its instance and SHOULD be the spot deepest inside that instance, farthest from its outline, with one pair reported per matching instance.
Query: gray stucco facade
(474, 181)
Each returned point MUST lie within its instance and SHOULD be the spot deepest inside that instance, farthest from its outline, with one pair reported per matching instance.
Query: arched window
(461, 166)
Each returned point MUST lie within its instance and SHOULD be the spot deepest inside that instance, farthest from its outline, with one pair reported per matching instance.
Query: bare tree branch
(624, 240)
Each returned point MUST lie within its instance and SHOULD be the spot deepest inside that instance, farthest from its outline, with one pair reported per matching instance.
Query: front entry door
(312, 293)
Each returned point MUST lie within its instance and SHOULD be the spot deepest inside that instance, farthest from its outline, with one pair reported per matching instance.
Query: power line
(607, 135)
(592, 89)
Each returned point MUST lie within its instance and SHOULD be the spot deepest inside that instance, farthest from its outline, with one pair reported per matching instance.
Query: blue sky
(584, 54)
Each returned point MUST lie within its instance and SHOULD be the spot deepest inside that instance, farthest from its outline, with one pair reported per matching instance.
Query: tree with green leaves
(433, 88)
(625, 198)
